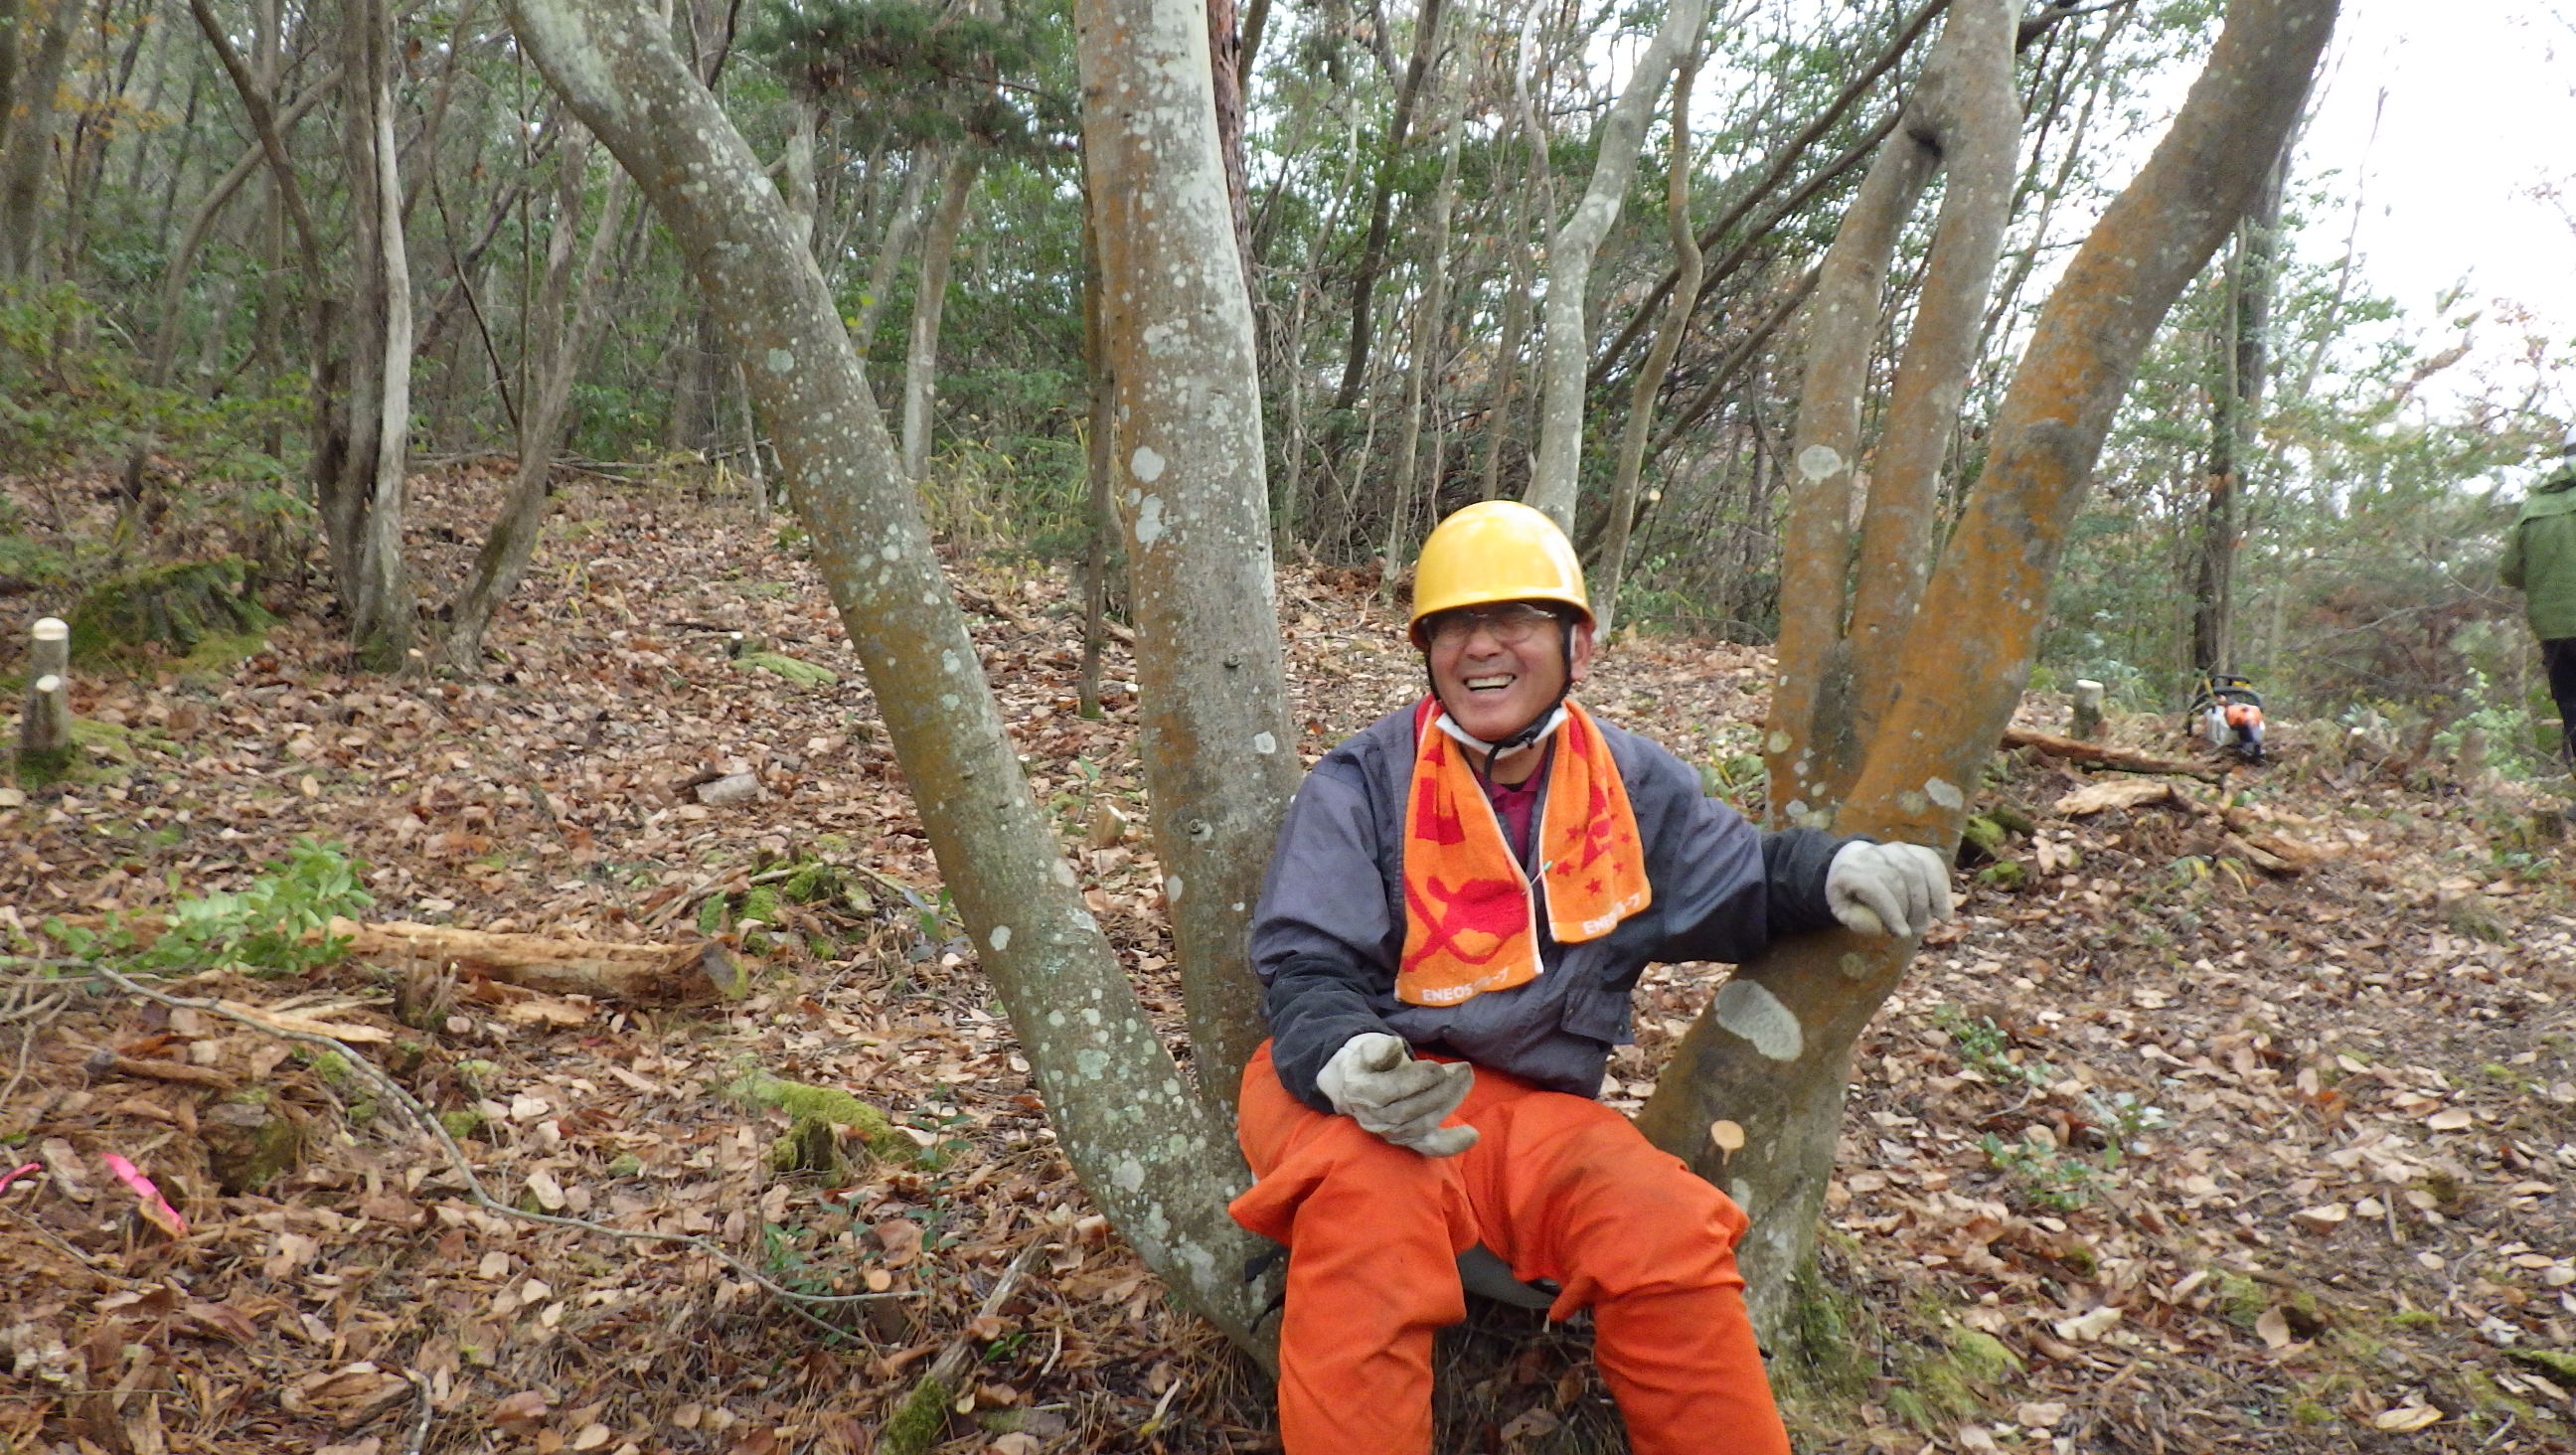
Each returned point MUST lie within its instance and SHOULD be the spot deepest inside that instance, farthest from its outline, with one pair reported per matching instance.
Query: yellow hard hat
(1496, 550)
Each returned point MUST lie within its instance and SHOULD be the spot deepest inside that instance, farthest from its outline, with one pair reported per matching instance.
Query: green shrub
(275, 927)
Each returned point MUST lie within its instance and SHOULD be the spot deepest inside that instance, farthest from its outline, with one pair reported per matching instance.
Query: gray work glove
(1888, 889)
(1374, 1080)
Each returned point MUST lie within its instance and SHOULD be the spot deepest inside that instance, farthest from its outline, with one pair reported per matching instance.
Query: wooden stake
(45, 733)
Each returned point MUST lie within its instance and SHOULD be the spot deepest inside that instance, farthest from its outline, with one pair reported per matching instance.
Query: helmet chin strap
(1531, 731)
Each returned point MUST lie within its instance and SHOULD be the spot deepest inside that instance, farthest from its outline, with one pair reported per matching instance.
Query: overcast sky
(2445, 118)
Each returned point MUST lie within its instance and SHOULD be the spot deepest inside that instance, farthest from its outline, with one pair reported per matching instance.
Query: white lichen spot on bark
(1091, 1062)
(1146, 464)
(780, 361)
(1758, 1016)
(1853, 965)
(1001, 937)
(1943, 792)
(1778, 742)
(1130, 1174)
(1149, 516)
(1819, 462)
(1742, 1192)
(1912, 802)
(1172, 888)
(948, 659)
(1064, 874)
(1264, 744)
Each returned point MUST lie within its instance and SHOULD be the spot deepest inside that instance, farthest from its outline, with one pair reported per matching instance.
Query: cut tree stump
(2087, 723)
(45, 733)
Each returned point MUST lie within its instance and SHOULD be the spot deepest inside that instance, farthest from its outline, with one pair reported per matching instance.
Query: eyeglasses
(1511, 624)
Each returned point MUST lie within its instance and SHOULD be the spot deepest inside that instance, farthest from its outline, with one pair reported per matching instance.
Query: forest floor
(2154, 1151)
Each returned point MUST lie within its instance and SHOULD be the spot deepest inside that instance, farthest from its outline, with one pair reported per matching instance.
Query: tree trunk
(1772, 1052)
(1099, 468)
(1540, 191)
(31, 138)
(2234, 409)
(1158, 1161)
(1775, 170)
(1568, 346)
(929, 297)
(1225, 71)
(1430, 328)
(362, 500)
(1220, 755)
(890, 255)
(1659, 360)
(1426, 40)
(568, 310)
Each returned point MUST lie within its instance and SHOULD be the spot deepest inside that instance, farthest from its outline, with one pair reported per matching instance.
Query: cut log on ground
(2241, 832)
(2114, 793)
(643, 974)
(637, 974)
(2104, 755)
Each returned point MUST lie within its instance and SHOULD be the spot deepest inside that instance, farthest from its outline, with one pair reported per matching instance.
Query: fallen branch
(2103, 755)
(463, 1167)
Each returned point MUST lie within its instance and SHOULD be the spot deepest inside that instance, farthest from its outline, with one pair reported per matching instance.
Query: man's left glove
(1888, 889)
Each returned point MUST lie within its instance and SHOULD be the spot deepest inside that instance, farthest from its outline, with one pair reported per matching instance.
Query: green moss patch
(174, 608)
(801, 673)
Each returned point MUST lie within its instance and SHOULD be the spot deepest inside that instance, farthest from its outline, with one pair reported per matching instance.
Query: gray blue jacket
(1329, 930)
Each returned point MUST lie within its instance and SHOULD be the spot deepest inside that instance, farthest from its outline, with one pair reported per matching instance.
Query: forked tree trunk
(1964, 117)
(929, 299)
(1157, 1160)
(568, 316)
(1773, 1052)
(1567, 349)
(1220, 757)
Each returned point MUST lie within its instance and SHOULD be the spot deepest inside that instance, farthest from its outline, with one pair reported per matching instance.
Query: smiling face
(1497, 668)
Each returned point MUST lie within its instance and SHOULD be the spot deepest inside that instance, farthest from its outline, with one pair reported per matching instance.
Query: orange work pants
(1560, 1187)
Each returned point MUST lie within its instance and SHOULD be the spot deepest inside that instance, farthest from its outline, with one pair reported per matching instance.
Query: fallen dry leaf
(2406, 1419)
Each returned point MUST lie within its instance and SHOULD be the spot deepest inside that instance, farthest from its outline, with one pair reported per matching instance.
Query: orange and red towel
(1471, 918)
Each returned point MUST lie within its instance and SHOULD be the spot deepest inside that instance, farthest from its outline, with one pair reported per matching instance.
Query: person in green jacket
(2540, 562)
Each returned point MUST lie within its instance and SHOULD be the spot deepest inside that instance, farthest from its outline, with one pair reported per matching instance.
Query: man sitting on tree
(1462, 899)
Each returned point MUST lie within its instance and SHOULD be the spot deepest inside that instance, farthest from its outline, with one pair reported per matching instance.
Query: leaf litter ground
(2153, 1152)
